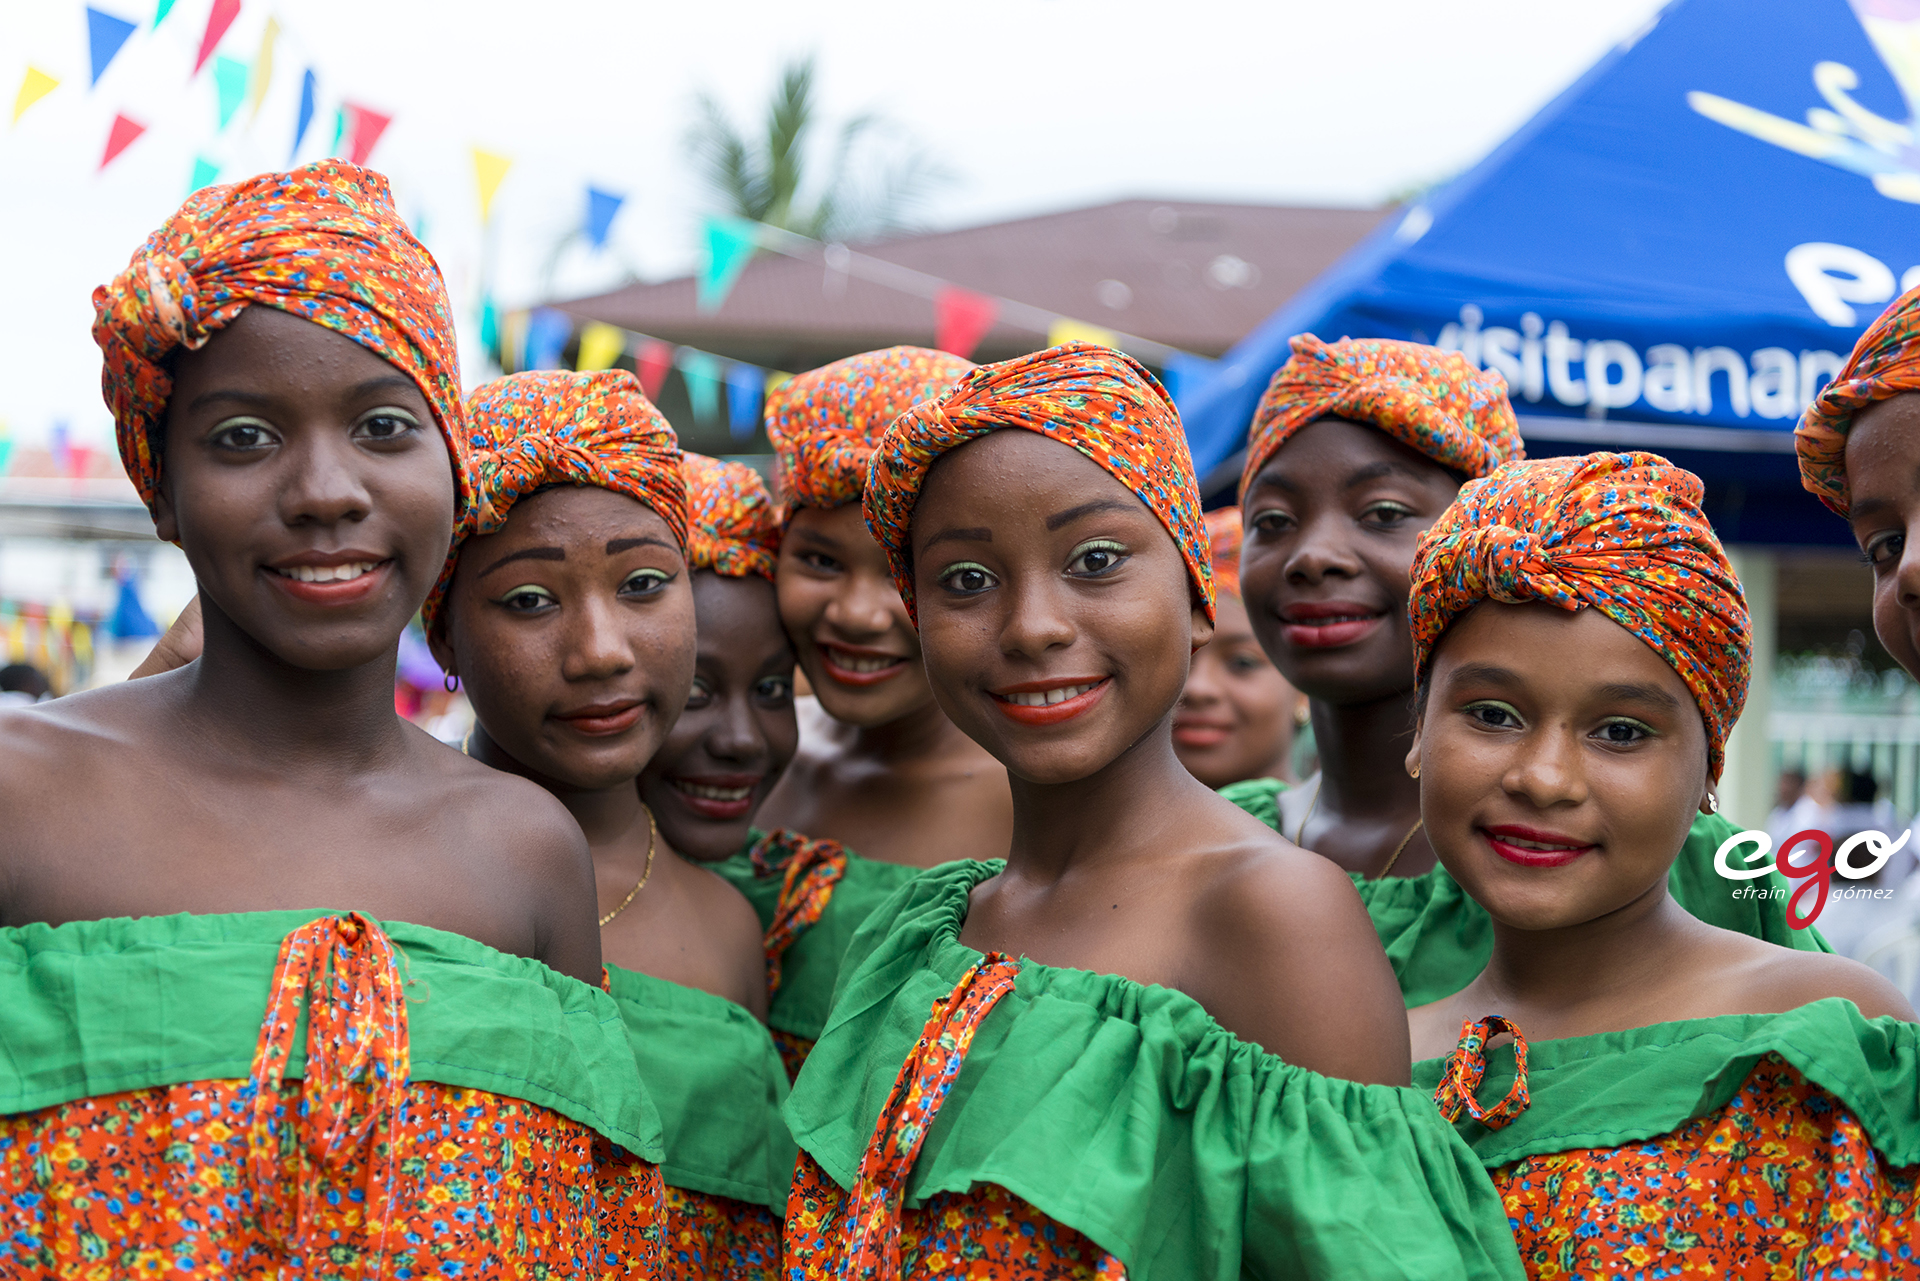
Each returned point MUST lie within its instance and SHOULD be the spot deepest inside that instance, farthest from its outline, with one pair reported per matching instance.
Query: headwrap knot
(1096, 400)
(1883, 364)
(733, 527)
(1433, 401)
(1620, 533)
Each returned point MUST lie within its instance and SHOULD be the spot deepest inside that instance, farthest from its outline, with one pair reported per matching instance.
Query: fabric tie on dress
(733, 527)
(1224, 538)
(1884, 363)
(826, 423)
(1467, 1067)
(323, 243)
(1430, 400)
(544, 428)
(1094, 399)
(340, 971)
(812, 868)
(1621, 533)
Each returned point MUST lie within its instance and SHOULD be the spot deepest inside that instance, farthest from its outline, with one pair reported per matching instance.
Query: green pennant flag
(204, 172)
(161, 10)
(339, 130)
(702, 373)
(730, 246)
(230, 81)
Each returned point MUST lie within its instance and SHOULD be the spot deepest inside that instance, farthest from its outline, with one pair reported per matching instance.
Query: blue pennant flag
(105, 35)
(547, 334)
(307, 83)
(601, 208)
(745, 383)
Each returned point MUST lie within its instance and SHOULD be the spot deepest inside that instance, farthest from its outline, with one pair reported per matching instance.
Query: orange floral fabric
(826, 423)
(561, 428)
(733, 527)
(812, 867)
(1884, 363)
(1621, 533)
(1431, 400)
(354, 1172)
(1096, 400)
(1224, 539)
(715, 1238)
(986, 1233)
(324, 243)
(1467, 1067)
(1781, 1182)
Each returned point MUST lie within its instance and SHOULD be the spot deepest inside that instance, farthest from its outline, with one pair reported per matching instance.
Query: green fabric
(811, 965)
(1124, 1111)
(1623, 1087)
(716, 1078)
(1438, 939)
(97, 1007)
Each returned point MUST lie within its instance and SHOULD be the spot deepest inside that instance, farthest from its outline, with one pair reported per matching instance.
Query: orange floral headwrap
(1430, 400)
(1622, 533)
(826, 423)
(323, 243)
(1102, 403)
(1225, 535)
(545, 428)
(1884, 363)
(733, 528)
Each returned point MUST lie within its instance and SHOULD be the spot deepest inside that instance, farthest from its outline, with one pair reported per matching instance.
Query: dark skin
(1883, 484)
(1331, 524)
(1561, 735)
(572, 628)
(880, 766)
(1235, 719)
(271, 771)
(1033, 567)
(737, 733)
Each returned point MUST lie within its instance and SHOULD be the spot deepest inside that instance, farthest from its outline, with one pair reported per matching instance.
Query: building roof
(1190, 275)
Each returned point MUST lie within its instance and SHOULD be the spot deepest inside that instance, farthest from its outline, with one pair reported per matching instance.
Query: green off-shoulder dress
(1050, 1122)
(1438, 939)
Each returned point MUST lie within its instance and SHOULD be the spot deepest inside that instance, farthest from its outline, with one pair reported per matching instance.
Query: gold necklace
(653, 835)
(1398, 850)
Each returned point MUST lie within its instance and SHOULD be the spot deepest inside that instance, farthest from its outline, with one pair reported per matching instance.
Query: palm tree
(877, 178)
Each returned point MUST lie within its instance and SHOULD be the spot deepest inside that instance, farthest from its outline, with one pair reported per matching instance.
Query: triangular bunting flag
(262, 69)
(547, 334)
(204, 172)
(489, 326)
(600, 345)
(513, 341)
(1064, 330)
(961, 318)
(339, 130)
(601, 208)
(730, 246)
(35, 85)
(364, 128)
(105, 35)
(651, 362)
(702, 373)
(745, 383)
(307, 86)
(161, 9)
(120, 137)
(488, 171)
(6, 446)
(230, 82)
(224, 12)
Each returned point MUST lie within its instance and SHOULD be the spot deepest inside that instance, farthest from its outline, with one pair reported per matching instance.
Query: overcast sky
(1034, 105)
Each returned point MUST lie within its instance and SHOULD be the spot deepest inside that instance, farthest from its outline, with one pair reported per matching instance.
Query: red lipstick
(721, 797)
(1198, 733)
(601, 719)
(1542, 848)
(1328, 624)
(875, 665)
(1026, 703)
(331, 578)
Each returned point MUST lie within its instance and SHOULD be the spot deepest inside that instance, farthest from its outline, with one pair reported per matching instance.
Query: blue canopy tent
(1665, 257)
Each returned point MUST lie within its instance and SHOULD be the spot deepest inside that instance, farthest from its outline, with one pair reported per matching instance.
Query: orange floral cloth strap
(341, 971)
(1467, 1066)
(813, 868)
(872, 1219)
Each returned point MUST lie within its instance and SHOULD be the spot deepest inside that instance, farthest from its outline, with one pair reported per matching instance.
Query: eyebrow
(1617, 692)
(1376, 471)
(644, 540)
(1058, 519)
(977, 534)
(384, 382)
(525, 553)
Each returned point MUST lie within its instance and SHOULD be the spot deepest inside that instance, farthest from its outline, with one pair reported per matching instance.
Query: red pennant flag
(120, 137)
(80, 458)
(651, 363)
(224, 12)
(961, 319)
(364, 128)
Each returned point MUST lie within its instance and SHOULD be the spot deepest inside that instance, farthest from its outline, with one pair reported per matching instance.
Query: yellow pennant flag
(262, 69)
(600, 345)
(488, 170)
(35, 85)
(776, 380)
(1075, 331)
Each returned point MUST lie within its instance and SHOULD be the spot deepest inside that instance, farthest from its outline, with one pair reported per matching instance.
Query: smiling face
(1056, 613)
(572, 627)
(849, 626)
(1235, 718)
(738, 730)
(1331, 525)
(1883, 481)
(1561, 761)
(309, 486)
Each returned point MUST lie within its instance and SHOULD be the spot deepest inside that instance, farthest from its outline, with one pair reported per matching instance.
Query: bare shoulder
(1776, 978)
(76, 737)
(520, 818)
(734, 927)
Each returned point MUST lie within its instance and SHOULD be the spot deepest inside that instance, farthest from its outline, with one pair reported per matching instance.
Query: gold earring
(1415, 771)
